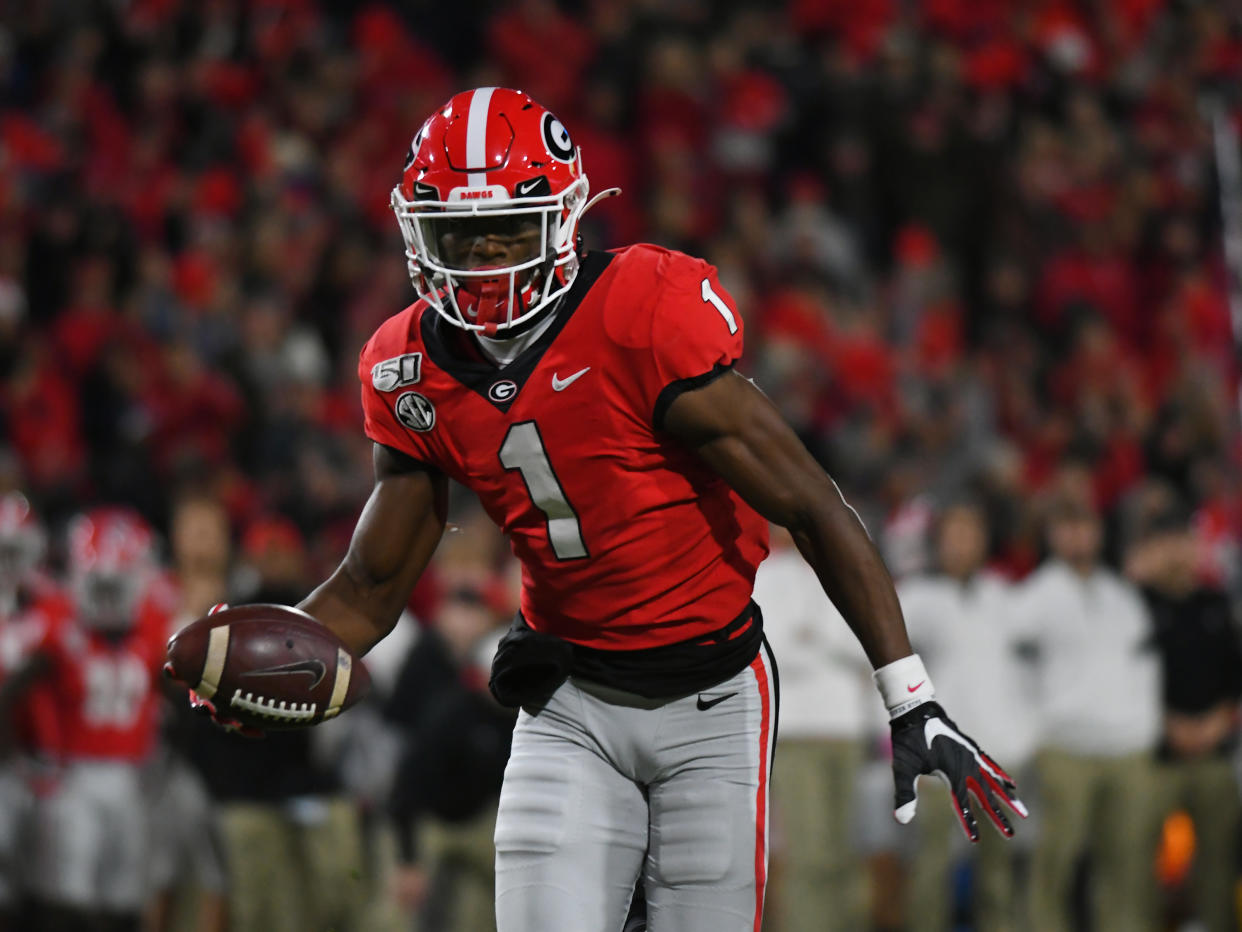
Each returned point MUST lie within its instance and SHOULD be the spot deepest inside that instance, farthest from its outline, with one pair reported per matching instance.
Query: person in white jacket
(961, 620)
(1099, 693)
(826, 705)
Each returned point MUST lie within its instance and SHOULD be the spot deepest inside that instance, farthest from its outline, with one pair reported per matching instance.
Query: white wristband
(904, 684)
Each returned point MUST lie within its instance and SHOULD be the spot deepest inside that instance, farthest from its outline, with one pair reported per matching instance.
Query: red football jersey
(23, 623)
(100, 697)
(23, 628)
(626, 539)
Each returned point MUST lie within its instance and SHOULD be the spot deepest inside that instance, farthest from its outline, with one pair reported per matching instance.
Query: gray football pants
(605, 789)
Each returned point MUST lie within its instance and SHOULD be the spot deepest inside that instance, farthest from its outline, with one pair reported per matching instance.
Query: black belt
(529, 666)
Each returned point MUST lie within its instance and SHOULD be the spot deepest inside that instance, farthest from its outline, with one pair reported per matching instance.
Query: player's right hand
(207, 708)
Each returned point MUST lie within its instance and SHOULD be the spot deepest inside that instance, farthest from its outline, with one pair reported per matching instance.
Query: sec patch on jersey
(269, 666)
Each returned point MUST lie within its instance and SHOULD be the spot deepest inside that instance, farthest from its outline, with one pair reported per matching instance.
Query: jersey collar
(466, 364)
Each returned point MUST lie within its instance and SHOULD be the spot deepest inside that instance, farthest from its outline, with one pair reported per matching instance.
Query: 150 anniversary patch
(400, 370)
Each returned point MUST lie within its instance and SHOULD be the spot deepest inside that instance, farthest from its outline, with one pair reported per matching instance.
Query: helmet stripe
(476, 135)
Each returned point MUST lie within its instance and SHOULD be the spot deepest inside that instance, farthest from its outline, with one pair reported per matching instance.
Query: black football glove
(925, 741)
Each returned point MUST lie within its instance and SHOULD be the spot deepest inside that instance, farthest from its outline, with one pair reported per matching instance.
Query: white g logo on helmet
(556, 138)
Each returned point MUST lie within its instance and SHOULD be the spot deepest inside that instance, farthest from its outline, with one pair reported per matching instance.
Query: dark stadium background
(977, 244)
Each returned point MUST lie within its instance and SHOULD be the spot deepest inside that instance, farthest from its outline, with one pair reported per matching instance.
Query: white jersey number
(523, 450)
(715, 301)
(115, 690)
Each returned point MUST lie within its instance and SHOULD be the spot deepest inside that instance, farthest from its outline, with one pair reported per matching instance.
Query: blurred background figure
(455, 744)
(1197, 637)
(961, 617)
(25, 593)
(817, 877)
(1099, 693)
(91, 699)
(293, 841)
(188, 881)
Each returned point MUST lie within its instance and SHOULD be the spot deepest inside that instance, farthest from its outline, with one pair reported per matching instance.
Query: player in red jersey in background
(589, 399)
(91, 702)
(27, 597)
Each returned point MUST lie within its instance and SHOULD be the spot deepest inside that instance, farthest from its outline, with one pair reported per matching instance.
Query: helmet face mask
(489, 205)
(107, 599)
(111, 562)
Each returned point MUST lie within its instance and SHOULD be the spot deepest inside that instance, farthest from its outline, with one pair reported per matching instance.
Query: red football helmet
(111, 560)
(22, 540)
(494, 171)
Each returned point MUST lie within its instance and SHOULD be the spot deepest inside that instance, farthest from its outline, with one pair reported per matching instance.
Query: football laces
(283, 710)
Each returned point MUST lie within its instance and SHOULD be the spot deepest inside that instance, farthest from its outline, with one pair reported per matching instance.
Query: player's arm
(15, 684)
(392, 544)
(739, 433)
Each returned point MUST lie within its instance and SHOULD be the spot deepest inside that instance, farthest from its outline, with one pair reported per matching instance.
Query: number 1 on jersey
(523, 450)
(710, 296)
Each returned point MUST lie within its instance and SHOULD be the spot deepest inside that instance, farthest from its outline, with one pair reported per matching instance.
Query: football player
(590, 400)
(91, 699)
(26, 597)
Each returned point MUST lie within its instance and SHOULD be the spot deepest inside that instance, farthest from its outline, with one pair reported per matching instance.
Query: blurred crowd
(977, 246)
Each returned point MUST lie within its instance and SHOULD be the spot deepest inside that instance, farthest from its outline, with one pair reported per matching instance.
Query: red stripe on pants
(761, 795)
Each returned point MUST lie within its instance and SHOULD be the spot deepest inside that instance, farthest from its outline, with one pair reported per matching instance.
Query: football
(269, 666)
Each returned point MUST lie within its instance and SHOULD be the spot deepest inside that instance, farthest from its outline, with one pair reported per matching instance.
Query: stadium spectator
(293, 841)
(1197, 637)
(1099, 700)
(817, 875)
(456, 744)
(188, 879)
(26, 595)
(963, 603)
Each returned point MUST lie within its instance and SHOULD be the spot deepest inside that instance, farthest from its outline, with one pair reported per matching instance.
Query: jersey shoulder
(660, 261)
(400, 334)
(158, 606)
(61, 635)
(656, 297)
(670, 322)
(655, 274)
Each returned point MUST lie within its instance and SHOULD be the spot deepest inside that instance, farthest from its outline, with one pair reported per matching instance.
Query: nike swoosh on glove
(925, 741)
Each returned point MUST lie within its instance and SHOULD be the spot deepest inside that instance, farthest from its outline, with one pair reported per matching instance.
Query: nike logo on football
(559, 385)
(525, 187)
(705, 704)
(911, 689)
(316, 669)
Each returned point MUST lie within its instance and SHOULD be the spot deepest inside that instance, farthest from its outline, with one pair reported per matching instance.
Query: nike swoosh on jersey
(315, 669)
(559, 385)
(705, 704)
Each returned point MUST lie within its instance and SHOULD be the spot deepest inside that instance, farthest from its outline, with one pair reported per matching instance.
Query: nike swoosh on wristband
(316, 669)
(559, 385)
(911, 689)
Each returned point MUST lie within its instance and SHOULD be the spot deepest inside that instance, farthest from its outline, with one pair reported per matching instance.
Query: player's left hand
(926, 741)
